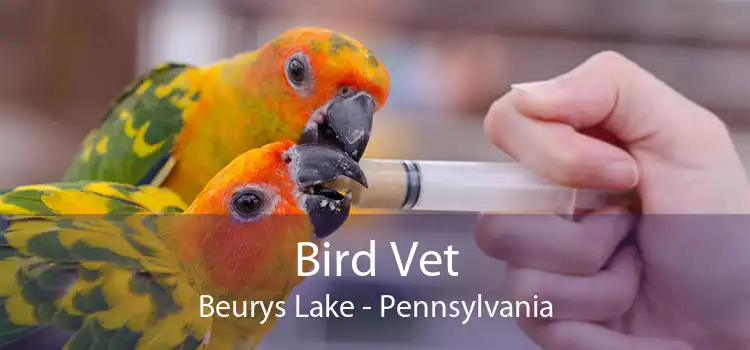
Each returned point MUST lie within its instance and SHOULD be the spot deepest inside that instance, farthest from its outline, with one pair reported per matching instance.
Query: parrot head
(325, 85)
(253, 214)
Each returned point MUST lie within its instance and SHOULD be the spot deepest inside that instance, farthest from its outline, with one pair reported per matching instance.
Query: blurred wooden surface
(62, 63)
(701, 48)
(667, 22)
(68, 58)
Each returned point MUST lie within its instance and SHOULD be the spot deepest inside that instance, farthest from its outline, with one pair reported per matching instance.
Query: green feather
(27, 199)
(47, 245)
(91, 301)
(124, 339)
(120, 162)
(82, 339)
(66, 321)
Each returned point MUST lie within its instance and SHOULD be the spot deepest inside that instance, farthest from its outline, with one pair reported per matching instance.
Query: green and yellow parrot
(92, 257)
(180, 124)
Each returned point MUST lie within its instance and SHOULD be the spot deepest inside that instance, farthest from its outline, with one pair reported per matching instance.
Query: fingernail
(624, 173)
(537, 87)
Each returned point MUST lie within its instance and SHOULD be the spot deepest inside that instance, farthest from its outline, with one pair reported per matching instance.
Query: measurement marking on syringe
(413, 184)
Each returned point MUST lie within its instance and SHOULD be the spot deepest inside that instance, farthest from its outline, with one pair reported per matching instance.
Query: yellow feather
(19, 233)
(88, 145)
(8, 268)
(19, 311)
(124, 304)
(144, 86)
(66, 302)
(105, 239)
(157, 199)
(93, 265)
(104, 189)
(140, 146)
(101, 145)
(61, 201)
(40, 188)
(125, 115)
(10, 209)
(188, 81)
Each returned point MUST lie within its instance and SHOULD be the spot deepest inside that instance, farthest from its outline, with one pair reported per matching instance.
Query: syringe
(469, 187)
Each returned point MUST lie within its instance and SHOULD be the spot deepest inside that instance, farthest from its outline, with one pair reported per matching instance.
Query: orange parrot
(94, 258)
(179, 125)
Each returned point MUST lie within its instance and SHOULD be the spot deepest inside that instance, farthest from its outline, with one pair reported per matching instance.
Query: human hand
(610, 124)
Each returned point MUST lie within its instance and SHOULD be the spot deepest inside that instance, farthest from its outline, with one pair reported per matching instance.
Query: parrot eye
(298, 72)
(247, 203)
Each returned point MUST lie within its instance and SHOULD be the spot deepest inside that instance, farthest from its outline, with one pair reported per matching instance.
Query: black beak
(312, 166)
(347, 124)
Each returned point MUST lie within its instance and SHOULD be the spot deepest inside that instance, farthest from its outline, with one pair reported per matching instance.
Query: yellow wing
(87, 258)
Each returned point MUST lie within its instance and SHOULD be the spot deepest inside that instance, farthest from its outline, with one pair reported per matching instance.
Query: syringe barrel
(471, 187)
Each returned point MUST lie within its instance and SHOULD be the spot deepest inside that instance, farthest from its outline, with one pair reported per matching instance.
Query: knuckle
(713, 125)
(495, 108)
(610, 59)
(568, 162)
(494, 123)
(614, 63)
(567, 166)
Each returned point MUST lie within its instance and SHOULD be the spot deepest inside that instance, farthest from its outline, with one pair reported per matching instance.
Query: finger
(576, 335)
(612, 91)
(551, 243)
(601, 297)
(665, 131)
(557, 151)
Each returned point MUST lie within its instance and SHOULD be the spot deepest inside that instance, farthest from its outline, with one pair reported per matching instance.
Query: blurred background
(62, 62)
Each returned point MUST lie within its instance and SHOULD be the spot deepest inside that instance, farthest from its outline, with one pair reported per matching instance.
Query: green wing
(106, 277)
(137, 133)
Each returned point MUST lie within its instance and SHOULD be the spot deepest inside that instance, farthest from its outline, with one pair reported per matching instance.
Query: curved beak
(311, 166)
(346, 124)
